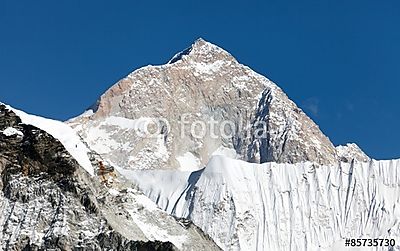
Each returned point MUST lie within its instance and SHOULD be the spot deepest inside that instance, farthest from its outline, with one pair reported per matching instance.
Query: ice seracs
(247, 206)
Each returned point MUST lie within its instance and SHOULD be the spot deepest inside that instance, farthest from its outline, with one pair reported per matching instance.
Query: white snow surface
(203, 68)
(245, 206)
(227, 152)
(153, 232)
(9, 131)
(188, 162)
(164, 187)
(61, 131)
(140, 124)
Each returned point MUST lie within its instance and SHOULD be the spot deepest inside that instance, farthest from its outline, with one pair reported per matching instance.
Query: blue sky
(338, 60)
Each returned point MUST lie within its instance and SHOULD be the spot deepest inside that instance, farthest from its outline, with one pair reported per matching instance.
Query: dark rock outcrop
(44, 203)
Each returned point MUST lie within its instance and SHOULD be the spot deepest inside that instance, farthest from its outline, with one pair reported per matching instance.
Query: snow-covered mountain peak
(200, 85)
(203, 52)
(350, 151)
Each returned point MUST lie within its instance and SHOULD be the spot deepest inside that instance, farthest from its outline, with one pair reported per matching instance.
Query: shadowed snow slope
(281, 206)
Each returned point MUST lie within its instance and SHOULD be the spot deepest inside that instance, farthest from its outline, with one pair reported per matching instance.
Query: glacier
(275, 206)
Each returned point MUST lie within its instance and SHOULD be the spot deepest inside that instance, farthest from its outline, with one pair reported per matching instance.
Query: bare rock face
(203, 84)
(350, 152)
(49, 202)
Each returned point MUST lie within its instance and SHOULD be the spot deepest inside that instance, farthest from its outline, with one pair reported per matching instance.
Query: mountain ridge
(50, 201)
(207, 82)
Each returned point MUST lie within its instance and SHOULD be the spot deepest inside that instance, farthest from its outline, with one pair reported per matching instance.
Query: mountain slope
(63, 133)
(351, 151)
(50, 202)
(202, 84)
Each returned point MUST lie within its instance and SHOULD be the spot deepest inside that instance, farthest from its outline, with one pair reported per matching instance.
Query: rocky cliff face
(48, 201)
(203, 83)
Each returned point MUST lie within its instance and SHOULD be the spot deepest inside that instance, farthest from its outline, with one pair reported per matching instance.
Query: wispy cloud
(311, 105)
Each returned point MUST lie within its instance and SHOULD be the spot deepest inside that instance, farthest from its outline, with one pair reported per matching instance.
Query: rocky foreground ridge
(49, 202)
